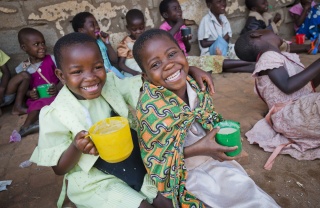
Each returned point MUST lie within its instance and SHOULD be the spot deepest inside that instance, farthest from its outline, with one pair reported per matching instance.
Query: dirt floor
(291, 183)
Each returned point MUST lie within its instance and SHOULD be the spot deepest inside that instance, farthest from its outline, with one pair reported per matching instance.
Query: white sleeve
(202, 31)
(227, 27)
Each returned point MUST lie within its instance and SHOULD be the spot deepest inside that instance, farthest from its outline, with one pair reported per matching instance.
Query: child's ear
(60, 75)
(145, 77)
(253, 9)
(165, 15)
(80, 30)
(23, 47)
(255, 35)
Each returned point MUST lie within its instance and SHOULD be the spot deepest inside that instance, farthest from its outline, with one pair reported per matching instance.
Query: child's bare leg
(30, 126)
(231, 65)
(19, 84)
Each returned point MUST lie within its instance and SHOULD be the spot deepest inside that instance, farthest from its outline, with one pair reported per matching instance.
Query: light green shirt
(4, 58)
(63, 119)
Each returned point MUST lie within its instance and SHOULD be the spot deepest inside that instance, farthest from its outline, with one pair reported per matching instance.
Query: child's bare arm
(209, 147)
(4, 80)
(226, 37)
(299, 19)
(113, 57)
(123, 67)
(54, 89)
(205, 43)
(186, 42)
(81, 144)
(288, 85)
(277, 18)
(201, 76)
(176, 27)
(161, 201)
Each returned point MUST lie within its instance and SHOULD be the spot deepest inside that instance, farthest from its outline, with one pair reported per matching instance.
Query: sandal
(314, 46)
(33, 128)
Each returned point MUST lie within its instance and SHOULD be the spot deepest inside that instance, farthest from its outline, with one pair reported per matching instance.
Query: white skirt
(226, 184)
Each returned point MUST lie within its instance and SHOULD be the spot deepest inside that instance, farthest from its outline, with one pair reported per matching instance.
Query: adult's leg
(232, 65)
(19, 85)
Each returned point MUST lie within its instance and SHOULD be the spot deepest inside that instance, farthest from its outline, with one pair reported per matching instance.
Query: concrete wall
(52, 18)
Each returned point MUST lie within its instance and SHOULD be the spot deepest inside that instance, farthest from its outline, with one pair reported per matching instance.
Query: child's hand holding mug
(52, 90)
(186, 34)
(104, 37)
(307, 6)
(210, 147)
(84, 144)
(33, 94)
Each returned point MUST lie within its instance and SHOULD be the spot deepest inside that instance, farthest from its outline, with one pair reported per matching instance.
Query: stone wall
(52, 18)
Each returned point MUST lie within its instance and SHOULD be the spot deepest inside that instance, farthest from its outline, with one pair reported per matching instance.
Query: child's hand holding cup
(84, 144)
(229, 135)
(186, 33)
(105, 37)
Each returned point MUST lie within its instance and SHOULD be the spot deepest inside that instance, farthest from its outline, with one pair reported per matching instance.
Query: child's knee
(25, 75)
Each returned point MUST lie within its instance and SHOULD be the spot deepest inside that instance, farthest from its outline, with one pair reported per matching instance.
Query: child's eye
(99, 67)
(36, 44)
(76, 72)
(171, 54)
(155, 65)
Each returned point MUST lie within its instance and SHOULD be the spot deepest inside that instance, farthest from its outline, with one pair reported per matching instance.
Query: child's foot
(218, 52)
(18, 110)
(33, 128)
(314, 46)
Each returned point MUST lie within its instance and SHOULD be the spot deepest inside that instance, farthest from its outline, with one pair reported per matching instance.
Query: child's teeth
(174, 75)
(90, 88)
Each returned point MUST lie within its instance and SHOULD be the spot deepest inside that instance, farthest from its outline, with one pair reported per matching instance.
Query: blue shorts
(7, 100)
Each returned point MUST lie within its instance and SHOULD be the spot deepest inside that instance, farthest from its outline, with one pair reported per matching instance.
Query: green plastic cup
(229, 135)
(43, 90)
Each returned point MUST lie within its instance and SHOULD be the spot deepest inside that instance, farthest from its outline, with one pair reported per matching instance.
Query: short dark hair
(245, 48)
(143, 38)
(133, 14)
(71, 39)
(27, 31)
(250, 3)
(164, 5)
(79, 20)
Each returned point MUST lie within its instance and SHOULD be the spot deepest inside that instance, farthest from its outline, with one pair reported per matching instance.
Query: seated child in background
(285, 85)
(85, 22)
(306, 18)
(87, 97)
(135, 26)
(259, 17)
(41, 67)
(215, 32)
(176, 129)
(171, 11)
(4, 80)
(13, 89)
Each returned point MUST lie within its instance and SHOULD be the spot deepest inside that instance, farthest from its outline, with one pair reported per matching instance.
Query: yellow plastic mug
(112, 138)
